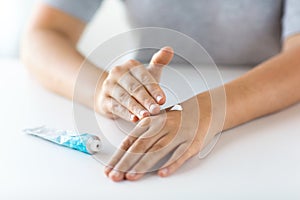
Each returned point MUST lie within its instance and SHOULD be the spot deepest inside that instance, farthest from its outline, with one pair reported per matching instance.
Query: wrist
(198, 110)
(212, 109)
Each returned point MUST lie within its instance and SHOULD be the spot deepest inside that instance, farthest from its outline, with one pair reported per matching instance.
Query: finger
(117, 109)
(114, 109)
(116, 72)
(137, 150)
(158, 151)
(143, 76)
(139, 92)
(120, 95)
(159, 59)
(140, 128)
(148, 81)
(127, 101)
(178, 158)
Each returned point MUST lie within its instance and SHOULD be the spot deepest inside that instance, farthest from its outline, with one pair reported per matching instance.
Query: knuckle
(133, 87)
(116, 107)
(146, 78)
(103, 110)
(140, 92)
(106, 105)
(107, 83)
(110, 115)
(133, 62)
(116, 70)
(123, 97)
(106, 111)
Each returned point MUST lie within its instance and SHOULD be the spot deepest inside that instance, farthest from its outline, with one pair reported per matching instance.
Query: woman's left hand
(181, 133)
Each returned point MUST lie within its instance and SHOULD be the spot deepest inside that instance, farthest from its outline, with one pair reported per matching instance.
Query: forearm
(269, 87)
(55, 62)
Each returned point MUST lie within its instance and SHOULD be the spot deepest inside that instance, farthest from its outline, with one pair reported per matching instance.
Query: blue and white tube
(86, 143)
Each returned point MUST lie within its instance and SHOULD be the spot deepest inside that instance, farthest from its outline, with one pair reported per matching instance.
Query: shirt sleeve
(291, 18)
(81, 9)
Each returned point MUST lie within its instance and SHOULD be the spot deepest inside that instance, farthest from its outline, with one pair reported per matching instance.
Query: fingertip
(168, 49)
(143, 114)
(162, 57)
(130, 176)
(115, 176)
(160, 99)
(154, 109)
(163, 172)
(133, 176)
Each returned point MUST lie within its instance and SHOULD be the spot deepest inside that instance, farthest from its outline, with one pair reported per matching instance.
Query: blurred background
(14, 15)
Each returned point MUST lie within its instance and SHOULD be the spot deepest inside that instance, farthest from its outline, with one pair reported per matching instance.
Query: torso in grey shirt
(232, 31)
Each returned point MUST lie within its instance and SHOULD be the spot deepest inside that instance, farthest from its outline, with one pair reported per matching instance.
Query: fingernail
(143, 113)
(168, 49)
(158, 98)
(164, 172)
(131, 174)
(154, 108)
(132, 117)
(114, 174)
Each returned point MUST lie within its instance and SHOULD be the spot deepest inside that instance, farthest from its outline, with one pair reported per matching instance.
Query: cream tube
(86, 143)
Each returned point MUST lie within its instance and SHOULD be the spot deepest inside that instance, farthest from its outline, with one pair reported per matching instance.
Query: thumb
(159, 59)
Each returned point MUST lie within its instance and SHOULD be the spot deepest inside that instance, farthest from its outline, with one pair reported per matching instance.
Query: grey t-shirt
(236, 32)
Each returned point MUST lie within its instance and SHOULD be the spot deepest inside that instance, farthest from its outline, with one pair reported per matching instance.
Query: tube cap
(94, 145)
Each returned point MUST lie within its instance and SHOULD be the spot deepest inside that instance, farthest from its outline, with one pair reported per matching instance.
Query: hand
(182, 133)
(131, 91)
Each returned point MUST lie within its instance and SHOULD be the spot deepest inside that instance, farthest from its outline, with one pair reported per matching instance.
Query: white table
(258, 160)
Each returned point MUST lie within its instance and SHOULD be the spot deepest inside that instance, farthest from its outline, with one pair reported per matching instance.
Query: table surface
(257, 160)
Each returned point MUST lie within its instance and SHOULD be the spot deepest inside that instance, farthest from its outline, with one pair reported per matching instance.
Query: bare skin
(269, 87)
(131, 91)
(48, 37)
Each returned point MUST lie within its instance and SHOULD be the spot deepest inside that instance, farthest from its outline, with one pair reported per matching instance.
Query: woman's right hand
(131, 91)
